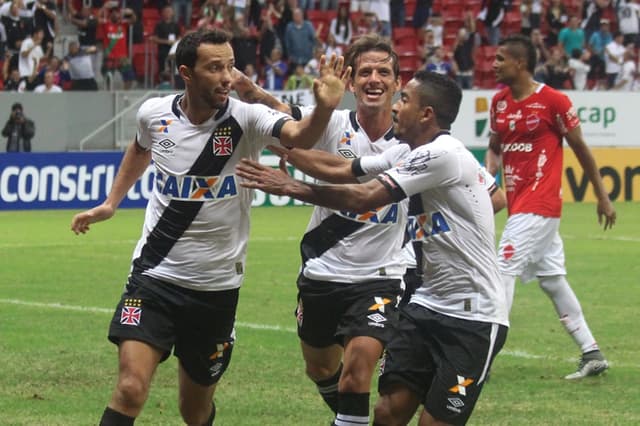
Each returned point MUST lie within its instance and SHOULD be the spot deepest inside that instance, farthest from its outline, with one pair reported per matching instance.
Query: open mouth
(374, 93)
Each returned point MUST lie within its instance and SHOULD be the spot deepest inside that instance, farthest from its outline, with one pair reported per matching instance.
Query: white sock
(569, 311)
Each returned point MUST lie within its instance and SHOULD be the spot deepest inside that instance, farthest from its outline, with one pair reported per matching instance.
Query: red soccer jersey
(531, 133)
(115, 40)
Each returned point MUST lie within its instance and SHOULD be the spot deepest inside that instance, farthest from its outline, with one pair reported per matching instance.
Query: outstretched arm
(134, 163)
(493, 157)
(251, 93)
(319, 164)
(583, 154)
(358, 198)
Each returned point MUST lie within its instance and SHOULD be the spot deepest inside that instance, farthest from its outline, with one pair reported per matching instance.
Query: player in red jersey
(528, 123)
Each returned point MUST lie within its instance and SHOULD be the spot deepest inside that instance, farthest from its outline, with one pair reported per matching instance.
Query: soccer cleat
(591, 364)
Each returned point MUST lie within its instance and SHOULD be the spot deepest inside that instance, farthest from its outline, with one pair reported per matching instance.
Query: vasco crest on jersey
(222, 142)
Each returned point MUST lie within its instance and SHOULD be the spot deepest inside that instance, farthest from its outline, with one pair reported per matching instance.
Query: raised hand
(265, 178)
(329, 87)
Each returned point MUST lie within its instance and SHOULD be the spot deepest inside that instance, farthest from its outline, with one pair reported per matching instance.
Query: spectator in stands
(275, 71)
(492, 14)
(542, 53)
(19, 130)
(341, 27)
(368, 24)
(313, 66)
(178, 82)
(579, 68)
(81, 68)
(30, 55)
(13, 82)
(556, 20)
(398, 13)
(166, 32)
(285, 9)
(593, 12)
(3, 40)
(331, 47)
(383, 14)
(60, 70)
(244, 42)
(250, 71)
(440, 63)
(428, 47)
(530, 11)
(212, 12)
(571, 37)
(299, 79)
(115, 27)
(48, 86)
(556, 71)
(422, 13)
(628, 71)
(329, 4)
(45, 17)
(597, 43)
(613, 58)
(183, 11)
(268, 37)
(164, 81)
(464, 51)
(629, 21)
(87, 26)
(14, 25)
(435, 24)
(300, 39)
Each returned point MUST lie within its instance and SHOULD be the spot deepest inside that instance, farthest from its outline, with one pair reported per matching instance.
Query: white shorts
(531, 247)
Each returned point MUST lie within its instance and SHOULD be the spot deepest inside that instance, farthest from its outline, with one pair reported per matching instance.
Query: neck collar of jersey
(175, 107)
(440, 133)
(356, 126)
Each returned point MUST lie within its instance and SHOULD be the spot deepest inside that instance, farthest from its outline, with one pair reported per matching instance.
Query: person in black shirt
(18, 130)
(167, 31)
(44, 16)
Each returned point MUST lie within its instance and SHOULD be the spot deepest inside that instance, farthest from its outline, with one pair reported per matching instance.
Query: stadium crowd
(581, 44)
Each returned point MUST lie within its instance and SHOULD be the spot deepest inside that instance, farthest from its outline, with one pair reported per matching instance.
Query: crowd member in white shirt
(48, 86)
(629, 21)
(30, 55)
(613, 58)
(579, 65)
(628, 72)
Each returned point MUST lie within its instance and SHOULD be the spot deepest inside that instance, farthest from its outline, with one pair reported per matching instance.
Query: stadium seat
(408, 48)
(401, 33)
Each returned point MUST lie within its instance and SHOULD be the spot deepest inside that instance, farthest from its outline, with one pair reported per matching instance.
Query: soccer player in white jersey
(457, 321)
(352, 268)
(528, 123)
(188, 265)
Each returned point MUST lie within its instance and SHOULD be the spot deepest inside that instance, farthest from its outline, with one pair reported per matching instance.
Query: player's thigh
(397, 405)
(193, 396)
(525, 240)
(205, 334)
(138, 362)
(321, 362)
(552, 262)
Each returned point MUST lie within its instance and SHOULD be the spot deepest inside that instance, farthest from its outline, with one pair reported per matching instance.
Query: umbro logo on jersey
(461, 387)
(164, 126)
(346, 153)
(196, 188)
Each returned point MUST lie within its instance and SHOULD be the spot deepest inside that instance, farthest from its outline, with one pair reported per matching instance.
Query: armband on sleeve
(356, 168)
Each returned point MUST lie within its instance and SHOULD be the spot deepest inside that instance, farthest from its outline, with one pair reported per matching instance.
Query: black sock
(328, 389)
(111, 417)
(209, 421)
(353, 409)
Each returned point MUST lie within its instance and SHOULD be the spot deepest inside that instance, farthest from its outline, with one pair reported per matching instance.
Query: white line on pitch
(516, 353)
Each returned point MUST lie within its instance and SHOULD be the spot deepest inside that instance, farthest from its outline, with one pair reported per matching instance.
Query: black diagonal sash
(179, 214)
(326, 235)
(416, 208)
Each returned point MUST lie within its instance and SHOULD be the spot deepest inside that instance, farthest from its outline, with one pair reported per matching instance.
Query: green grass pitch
(58, 290)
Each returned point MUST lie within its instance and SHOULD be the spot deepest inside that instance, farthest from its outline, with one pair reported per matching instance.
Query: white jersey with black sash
(456, 227)
(346, 247)
(197, 220)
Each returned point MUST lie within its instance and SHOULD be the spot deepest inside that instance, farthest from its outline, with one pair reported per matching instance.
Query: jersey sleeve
(376, 164)
(331, 134)
(565, 114)
(143, 134)
(267, 123)
(487, 180)
(425, 168)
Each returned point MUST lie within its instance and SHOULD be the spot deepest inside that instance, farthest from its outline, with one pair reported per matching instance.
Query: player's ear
(428, 114)
(185, 72)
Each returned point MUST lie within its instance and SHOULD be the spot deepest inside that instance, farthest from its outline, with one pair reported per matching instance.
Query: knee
(132, 392)
(551, 285)
(318, 372)
(382, 414)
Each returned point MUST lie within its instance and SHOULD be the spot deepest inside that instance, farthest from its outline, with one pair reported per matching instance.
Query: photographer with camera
(19, 130)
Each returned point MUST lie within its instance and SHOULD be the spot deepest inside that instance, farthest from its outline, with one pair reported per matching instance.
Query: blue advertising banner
(66, 180)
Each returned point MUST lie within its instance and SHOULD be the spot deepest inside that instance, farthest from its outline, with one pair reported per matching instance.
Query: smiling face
(210, 79)
(374, 82)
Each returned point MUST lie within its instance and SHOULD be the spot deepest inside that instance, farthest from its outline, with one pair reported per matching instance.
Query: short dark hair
(368, 43)
(187, 51)
(521, 47)
(441, 93)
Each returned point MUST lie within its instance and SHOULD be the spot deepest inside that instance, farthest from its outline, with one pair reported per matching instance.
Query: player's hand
(265, 178)
(605, 208)
(80, 222)
(329, 87)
